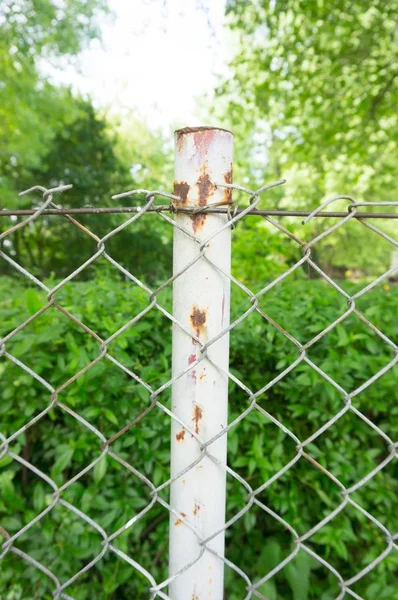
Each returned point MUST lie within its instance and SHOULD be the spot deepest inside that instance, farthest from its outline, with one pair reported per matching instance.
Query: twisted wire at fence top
(105, 449)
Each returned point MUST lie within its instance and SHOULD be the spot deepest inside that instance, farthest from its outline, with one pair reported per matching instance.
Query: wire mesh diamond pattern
(254, 495)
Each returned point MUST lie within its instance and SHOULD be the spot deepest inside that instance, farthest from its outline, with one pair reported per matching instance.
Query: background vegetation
(56, 349)
(312, 97)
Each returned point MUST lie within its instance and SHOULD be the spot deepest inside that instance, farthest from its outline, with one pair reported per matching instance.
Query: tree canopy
(320, 80)
(50, 136)
(31, 109)
(312, 97)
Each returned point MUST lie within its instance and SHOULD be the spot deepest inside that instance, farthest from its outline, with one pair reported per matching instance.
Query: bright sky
(156, 56)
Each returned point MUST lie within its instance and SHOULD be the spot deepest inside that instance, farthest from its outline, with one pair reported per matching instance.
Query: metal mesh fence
(254, 496)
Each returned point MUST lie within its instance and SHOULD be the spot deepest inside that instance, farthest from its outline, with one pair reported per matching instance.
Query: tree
(47, 136)
(313, 97)
(31, 110)
(98, 164)
(325, 79)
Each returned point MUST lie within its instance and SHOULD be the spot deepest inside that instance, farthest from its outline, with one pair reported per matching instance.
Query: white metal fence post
(201, 302)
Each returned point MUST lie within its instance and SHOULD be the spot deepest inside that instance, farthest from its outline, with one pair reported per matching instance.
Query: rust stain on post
(197, 416)
(203, 139)
(196, 509)
(180, 139)
(204, 131)
(227, 191)
(198, 317)
(178, 521)
(180, 436)
(228, 176)
(198, 221)
(181, 189)
(198, 320)
(206, 189)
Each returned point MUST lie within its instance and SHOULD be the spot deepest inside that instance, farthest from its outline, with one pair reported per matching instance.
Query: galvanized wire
(216, 210)
(105, 448)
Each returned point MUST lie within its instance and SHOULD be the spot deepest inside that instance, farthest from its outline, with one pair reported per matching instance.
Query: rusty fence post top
(186, 130)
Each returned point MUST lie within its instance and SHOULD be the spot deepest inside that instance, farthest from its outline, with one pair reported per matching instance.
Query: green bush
(56, 348)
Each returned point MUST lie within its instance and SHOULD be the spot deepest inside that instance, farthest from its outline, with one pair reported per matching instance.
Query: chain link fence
(252, 405)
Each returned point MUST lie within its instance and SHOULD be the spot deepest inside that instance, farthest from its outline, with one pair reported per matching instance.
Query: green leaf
(111, 416)
(298, 576)
(32, 301)
(100, 470)
(39, 497)
(344, 340)
(11, 523)
(63, 460)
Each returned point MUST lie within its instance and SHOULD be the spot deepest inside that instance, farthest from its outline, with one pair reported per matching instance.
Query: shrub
(56, 348)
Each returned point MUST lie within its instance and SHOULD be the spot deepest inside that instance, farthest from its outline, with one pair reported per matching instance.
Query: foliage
(31, 110)
(55, 348)
(312, 97)
(51, 137)
(84, 155)
(303, 62)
